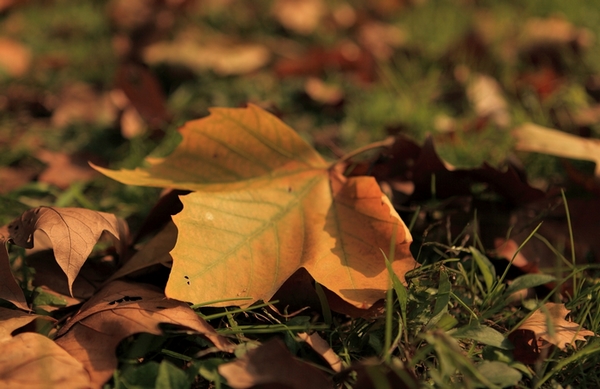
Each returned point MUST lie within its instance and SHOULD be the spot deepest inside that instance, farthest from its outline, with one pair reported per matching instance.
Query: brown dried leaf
(31, 361)
(72, 231)
(119, 310)
(564, 332)
(11, 320)
(272, 364)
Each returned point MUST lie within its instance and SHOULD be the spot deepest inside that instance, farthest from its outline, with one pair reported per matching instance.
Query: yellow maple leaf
(264, 204)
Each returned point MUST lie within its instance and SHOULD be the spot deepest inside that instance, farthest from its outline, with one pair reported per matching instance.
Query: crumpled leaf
(272, 364)
(267, 204)
(73, 233)
(117, 311)
(564, 332)
(31, 361)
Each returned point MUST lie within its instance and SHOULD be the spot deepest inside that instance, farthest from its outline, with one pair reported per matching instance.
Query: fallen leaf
(322, 348)
(223, 59)
(300, 16)
(487, 98)
(72, 231)
(381, 39)
(533, 138)
(563, 332)
(63, 169)
(272, 364)
(9, 288)
(117, 311)
(267, 204)
(15, 58)
(155, 252)
(11, 320)
(144, 93)
(406, 163)
(31, 361)
(322, 93)
(81, 103)
(554, 31)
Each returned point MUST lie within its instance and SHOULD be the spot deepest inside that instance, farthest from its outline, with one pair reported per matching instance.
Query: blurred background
(111, 81)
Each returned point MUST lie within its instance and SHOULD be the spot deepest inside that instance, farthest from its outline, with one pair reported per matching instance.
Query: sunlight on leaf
(266, 205)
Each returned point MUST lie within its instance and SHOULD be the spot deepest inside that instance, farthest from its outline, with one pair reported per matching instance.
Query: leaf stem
(375, 145)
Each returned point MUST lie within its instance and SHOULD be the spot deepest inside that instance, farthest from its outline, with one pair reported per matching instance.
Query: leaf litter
(330, 74)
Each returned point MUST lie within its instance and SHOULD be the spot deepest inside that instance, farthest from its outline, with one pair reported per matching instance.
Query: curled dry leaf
(563, 333)
(73, 233)
(119, 310)
(267, 204)
(272, 365)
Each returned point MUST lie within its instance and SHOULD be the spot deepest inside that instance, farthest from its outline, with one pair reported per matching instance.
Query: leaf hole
(289, 189)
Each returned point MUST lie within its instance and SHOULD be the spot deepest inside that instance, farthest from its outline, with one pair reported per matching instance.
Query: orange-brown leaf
(267, 204)
(564, 332)
(119, 310)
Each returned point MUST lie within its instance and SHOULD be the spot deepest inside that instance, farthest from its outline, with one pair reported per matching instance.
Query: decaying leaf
(267, 204)
(563, 332)
(73, 233)
(119, 310)
(533, 138)
(272, 364)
